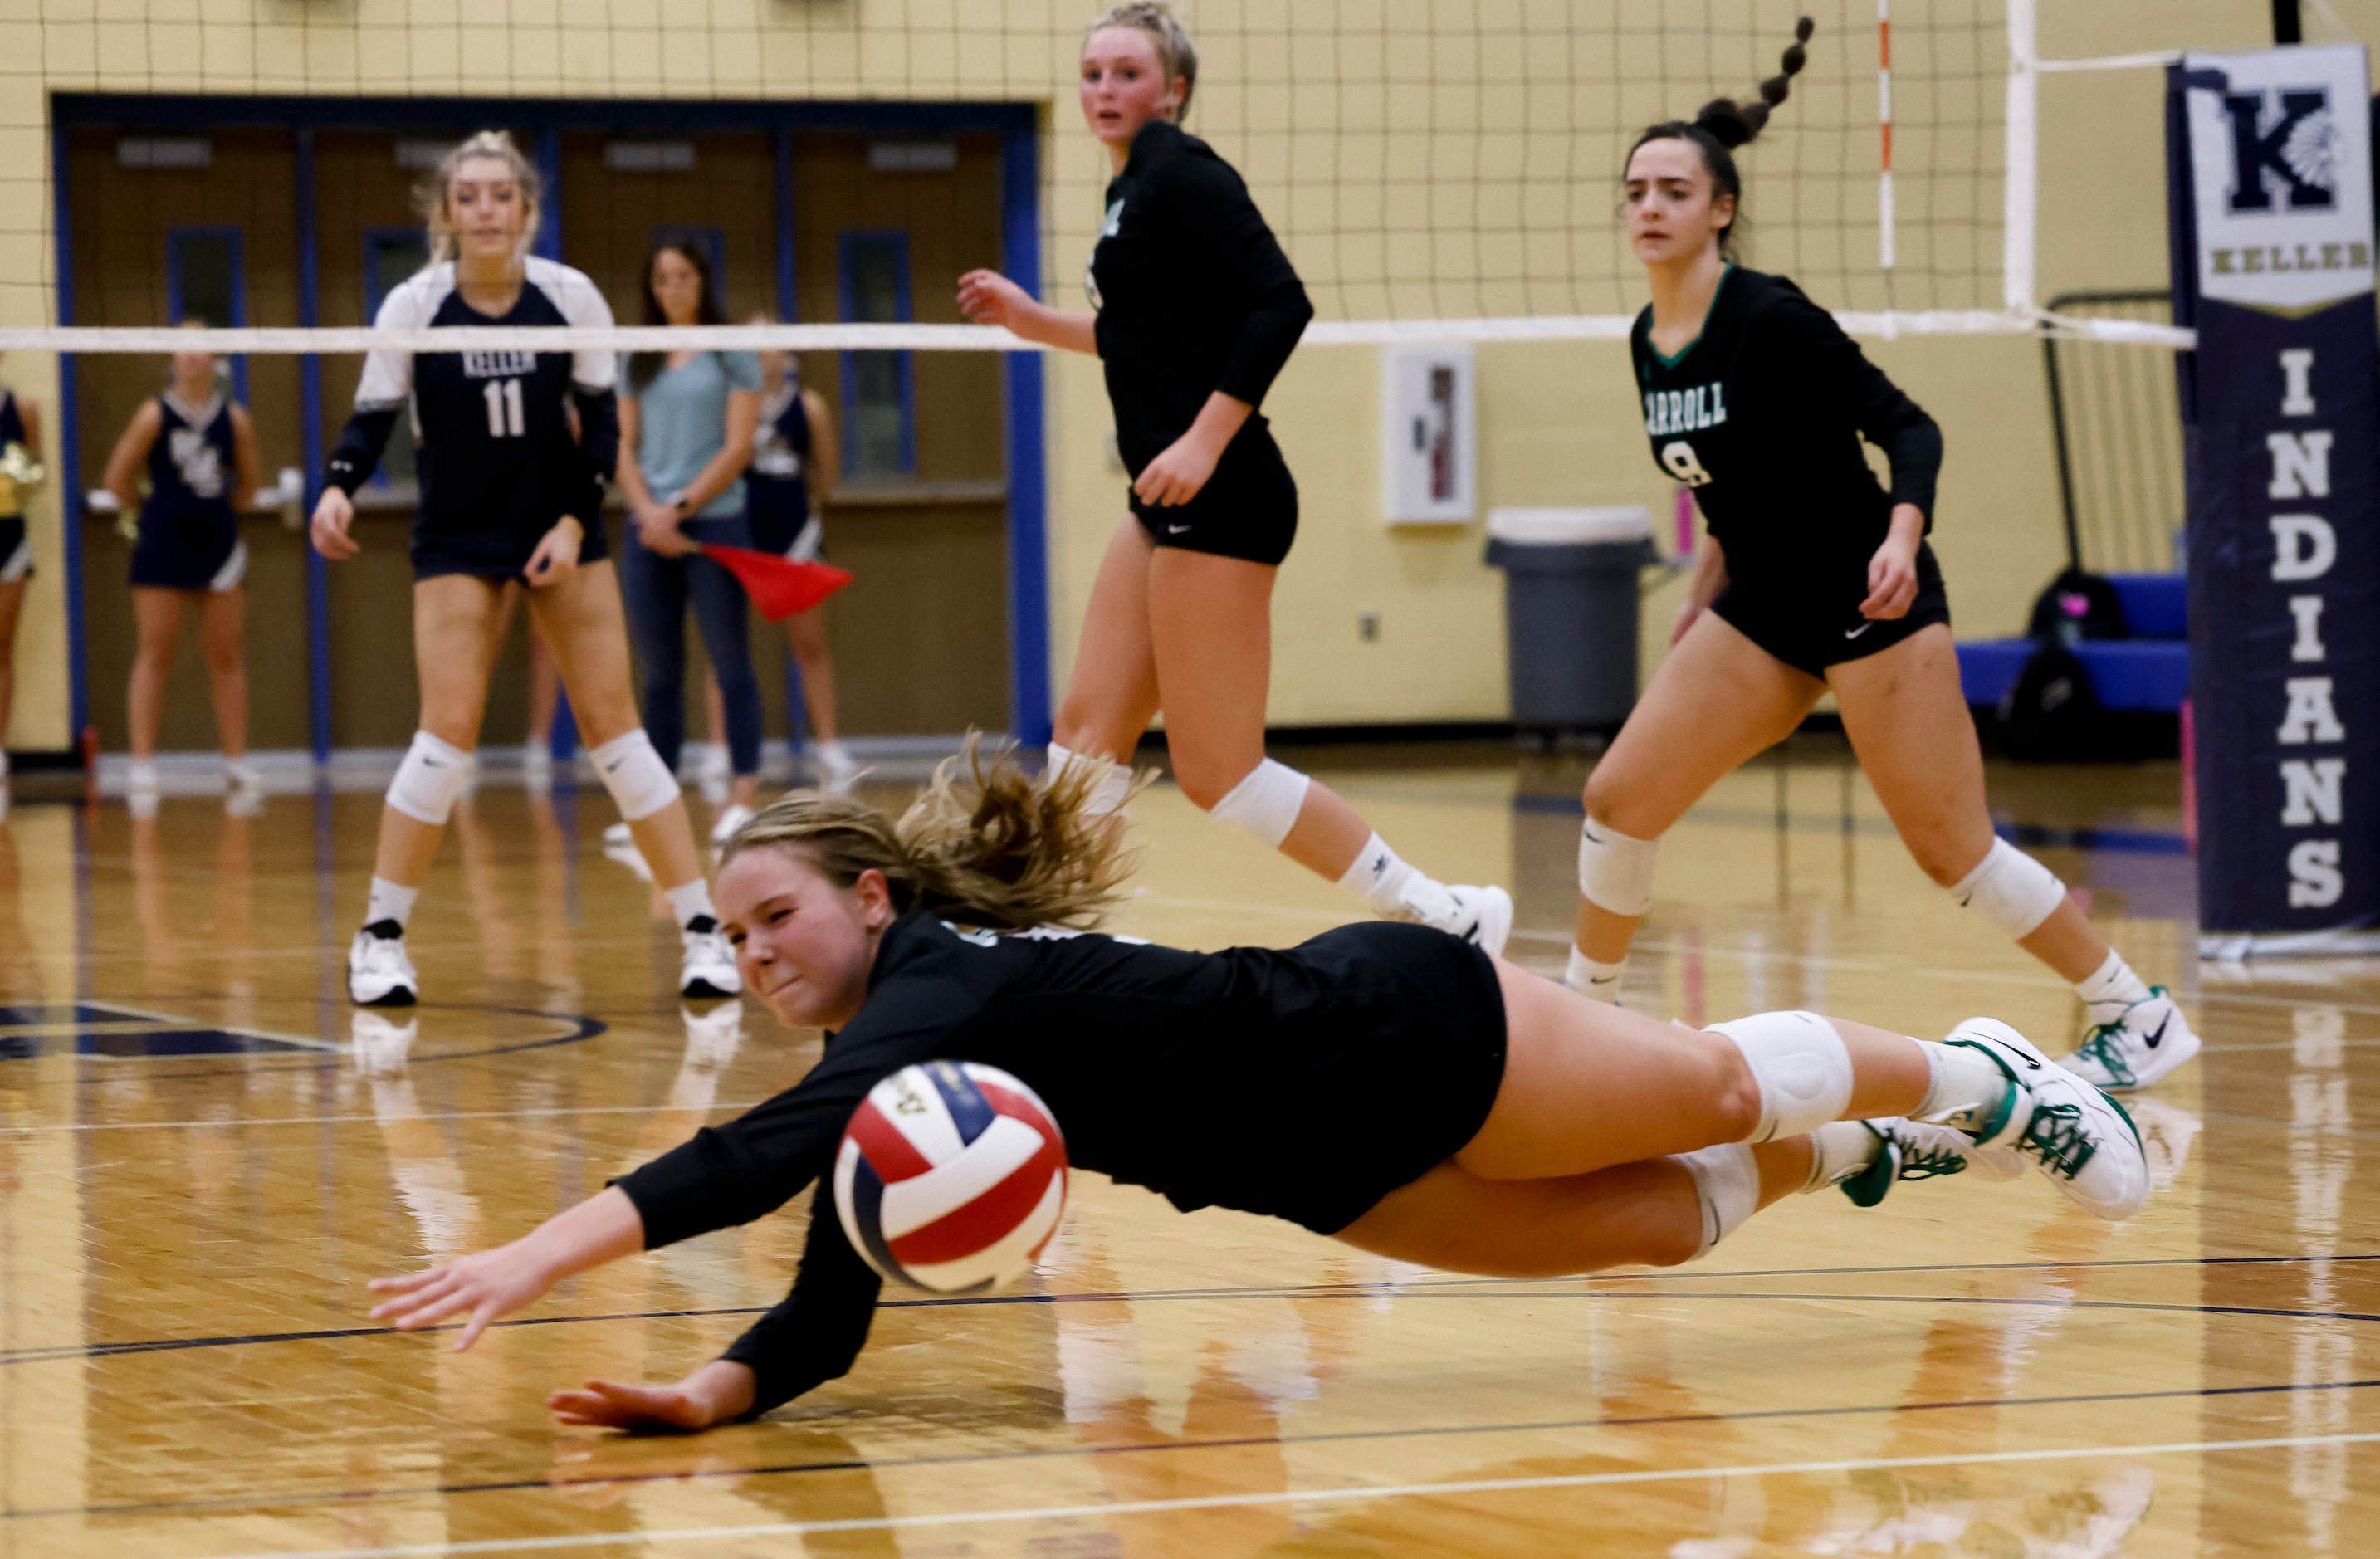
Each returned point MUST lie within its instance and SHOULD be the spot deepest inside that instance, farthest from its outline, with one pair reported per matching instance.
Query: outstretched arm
(489, 1285)
(813, 1336)
(989, 298)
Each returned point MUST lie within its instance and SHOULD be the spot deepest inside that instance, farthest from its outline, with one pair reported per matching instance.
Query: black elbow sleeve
(359, 450)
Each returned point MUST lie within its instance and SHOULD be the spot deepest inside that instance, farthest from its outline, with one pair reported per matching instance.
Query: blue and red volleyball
(951, 1178)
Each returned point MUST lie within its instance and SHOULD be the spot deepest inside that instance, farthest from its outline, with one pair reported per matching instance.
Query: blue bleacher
(2149, 671)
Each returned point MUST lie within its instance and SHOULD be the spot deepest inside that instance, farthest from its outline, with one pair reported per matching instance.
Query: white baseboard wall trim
(287, 771)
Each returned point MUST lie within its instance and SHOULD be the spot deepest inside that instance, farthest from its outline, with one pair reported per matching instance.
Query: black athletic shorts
(1810, 626)
(1391, 1048)
(436, 553)
(16, 551)
(1248, 508)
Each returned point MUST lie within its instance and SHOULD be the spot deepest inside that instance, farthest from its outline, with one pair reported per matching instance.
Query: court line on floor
(326, 1120)
(1457, 1288)
(1060, 1453)
(1315, 1496)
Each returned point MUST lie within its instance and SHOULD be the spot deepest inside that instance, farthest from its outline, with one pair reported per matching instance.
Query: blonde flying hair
(995, 847)
(430, 196)
(1175, 53)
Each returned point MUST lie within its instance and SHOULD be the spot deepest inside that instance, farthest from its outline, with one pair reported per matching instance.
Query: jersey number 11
(503, 408)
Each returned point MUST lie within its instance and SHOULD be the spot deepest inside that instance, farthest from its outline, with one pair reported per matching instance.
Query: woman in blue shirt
(687, 426)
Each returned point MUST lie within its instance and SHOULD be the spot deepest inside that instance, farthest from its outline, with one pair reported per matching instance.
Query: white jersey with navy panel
(500, 457)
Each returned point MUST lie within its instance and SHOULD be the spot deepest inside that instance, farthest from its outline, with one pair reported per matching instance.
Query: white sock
(1590, 979)
(2112, 988)
(241, 771)
(390, 901)
(1839, 1149)
(1965, 1081)
(1393, 885)
(141, 773)
(690, 902)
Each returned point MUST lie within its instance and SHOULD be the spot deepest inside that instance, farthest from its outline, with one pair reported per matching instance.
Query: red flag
(780, 587)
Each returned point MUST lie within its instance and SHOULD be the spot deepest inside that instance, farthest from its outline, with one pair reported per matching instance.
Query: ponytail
(998, 848)
(1724, 123)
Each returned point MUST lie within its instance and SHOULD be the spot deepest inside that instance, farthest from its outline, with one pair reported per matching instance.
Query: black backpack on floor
(2078, 605)
(2051, 715)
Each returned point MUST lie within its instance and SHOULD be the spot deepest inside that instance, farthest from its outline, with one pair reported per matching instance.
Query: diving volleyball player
(1814, 577)
(1193, 311)
(514, 449)
(1391, 1086)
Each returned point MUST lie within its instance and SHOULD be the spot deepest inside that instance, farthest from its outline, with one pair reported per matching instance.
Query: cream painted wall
(1558, 421)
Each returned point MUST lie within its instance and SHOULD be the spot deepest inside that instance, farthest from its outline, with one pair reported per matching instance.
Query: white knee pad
(1266, 801)
(1802, 1065)
(2011, 889)
(1615, 873)
(427, 782)
(635, 775)
(1728, 1182)
(1107, 792)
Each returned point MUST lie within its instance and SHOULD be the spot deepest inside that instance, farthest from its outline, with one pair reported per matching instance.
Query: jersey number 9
(503, 407)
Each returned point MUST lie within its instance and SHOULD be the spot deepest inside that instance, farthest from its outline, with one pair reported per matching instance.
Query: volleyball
(951, 1178)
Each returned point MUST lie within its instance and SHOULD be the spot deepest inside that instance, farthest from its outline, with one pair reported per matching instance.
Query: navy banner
(2273, 265)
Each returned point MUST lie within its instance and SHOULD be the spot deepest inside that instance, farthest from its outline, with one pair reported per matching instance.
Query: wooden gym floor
(204, 1153)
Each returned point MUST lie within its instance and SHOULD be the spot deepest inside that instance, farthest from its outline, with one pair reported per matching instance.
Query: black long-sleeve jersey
(1762, 416)
(500, 461)
(1193, 293)
(1303, 1083)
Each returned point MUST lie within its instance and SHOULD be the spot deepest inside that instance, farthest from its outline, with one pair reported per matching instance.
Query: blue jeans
(657, 590)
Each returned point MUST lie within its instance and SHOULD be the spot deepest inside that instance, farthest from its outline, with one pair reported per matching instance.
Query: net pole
(2021, 177)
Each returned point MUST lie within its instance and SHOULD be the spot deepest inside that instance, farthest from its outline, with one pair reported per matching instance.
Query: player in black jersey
(515, 448)
(198, 449)
(1193, 311)
(1814, 578)
(20, 469)
(795, 464)
(1389, 1085)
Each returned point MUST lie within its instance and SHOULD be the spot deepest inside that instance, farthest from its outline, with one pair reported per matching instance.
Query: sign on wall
(1429, 435)
(2273, 265)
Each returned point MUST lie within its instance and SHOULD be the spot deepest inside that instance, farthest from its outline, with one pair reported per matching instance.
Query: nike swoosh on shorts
(1856, 632)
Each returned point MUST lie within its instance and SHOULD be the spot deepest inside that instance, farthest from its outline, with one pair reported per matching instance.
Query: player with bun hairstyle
(514, 450)
(1816, 577)
(1194, 312)
(1393, 1086)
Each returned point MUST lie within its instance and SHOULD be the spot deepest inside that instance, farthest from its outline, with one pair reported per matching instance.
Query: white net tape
(974, 338)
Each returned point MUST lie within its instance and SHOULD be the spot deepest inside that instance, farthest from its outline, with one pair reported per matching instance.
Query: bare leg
(1716, 702)
(805, 634)
(1907, 720)
(1588, 1086)
(544, 690)
(581, 619)
(1210, 625)
(453, 649)
(221, 613)
(12, 601)
(1111, 694)
(1632, 1215)
(157, 615)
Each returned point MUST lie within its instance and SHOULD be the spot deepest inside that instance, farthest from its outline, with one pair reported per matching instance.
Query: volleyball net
(1438, 171)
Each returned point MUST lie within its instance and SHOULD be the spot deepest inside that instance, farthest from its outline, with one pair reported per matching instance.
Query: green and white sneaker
(2148, 1040)
(1908, 1149)
(2076, 1135)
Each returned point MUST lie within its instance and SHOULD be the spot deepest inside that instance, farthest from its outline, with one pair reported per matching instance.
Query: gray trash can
(1570, 612)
